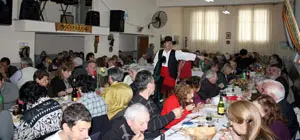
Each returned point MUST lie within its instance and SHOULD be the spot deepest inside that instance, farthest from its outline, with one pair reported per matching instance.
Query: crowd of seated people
(112, 106)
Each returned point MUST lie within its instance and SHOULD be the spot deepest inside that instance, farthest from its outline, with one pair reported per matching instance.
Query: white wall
(139, 14)
(53, 11)
(128, 42)
(10, 43)
(53, 43)
(103, 46)
(171, 3)
(174, 26)
(10, 40)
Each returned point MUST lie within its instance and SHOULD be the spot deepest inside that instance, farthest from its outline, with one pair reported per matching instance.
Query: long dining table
(198, 119)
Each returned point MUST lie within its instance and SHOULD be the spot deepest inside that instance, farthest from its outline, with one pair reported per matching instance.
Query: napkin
(200, 133)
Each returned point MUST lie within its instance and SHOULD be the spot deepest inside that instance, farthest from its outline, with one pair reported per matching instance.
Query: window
(253, 25)
(205, 25)
(212, 25)
(197, 24)
(260, 25)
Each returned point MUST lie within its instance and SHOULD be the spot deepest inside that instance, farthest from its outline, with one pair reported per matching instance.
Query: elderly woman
(60, 83)
(226, 77)
(42, 115)
(247, 123)
(182, 97)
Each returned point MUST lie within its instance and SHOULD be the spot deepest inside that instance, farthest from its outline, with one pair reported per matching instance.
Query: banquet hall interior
(149, 69)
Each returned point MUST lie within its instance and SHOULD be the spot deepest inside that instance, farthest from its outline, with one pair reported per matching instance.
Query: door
(143, 42)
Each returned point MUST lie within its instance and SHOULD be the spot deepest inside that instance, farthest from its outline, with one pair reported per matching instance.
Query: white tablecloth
(219, 121)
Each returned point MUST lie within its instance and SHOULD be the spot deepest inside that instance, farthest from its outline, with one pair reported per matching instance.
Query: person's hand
(178, 112)
(200, 57)
(232, 81)
(207, 101)
(221, 86)
(61, 93)
(224, 137)
(198, 107)
(98, 92)
(139, 136)
(190, 107)
(69, 90)
(234, 135)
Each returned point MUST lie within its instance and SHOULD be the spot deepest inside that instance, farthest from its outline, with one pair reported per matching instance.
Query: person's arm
(15, 77)
(157, 121)
(185, 56)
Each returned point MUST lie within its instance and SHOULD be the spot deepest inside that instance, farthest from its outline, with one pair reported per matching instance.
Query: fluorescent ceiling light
(209, 0)
(226, 12)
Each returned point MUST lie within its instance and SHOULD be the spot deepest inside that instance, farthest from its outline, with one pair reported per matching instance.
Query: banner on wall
(73, 27)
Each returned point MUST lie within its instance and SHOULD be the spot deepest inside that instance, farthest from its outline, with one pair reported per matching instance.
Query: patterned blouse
(40, 119)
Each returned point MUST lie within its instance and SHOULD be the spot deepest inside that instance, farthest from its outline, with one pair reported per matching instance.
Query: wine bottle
(74, 95)
(221, 107)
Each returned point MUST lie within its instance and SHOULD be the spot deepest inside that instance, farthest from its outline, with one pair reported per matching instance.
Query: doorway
(143, 43)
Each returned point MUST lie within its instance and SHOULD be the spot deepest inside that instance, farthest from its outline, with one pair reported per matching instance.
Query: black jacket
(120, 131)
(208, 90)
(157, 122)
(287, 112)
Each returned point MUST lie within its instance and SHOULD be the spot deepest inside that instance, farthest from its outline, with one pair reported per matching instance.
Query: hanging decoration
(96, 42)
(291, 27)
(73, 27)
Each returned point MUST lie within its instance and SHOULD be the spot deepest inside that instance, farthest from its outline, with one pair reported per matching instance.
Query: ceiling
(172, 3)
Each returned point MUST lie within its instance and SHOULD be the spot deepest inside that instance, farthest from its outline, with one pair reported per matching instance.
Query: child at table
(182, 97)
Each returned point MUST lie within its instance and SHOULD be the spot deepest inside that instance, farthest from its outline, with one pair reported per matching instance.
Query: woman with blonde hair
(247, 123)
(226, 76)
(182, 97)
(117, 98)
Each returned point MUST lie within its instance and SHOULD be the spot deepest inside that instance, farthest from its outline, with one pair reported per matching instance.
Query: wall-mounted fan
(159, 20)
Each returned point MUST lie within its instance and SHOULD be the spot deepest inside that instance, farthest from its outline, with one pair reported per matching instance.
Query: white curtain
(250, 27)
(201, 26)
(254, 31)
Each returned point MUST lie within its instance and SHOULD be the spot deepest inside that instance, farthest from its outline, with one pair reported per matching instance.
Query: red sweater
(170, 104)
